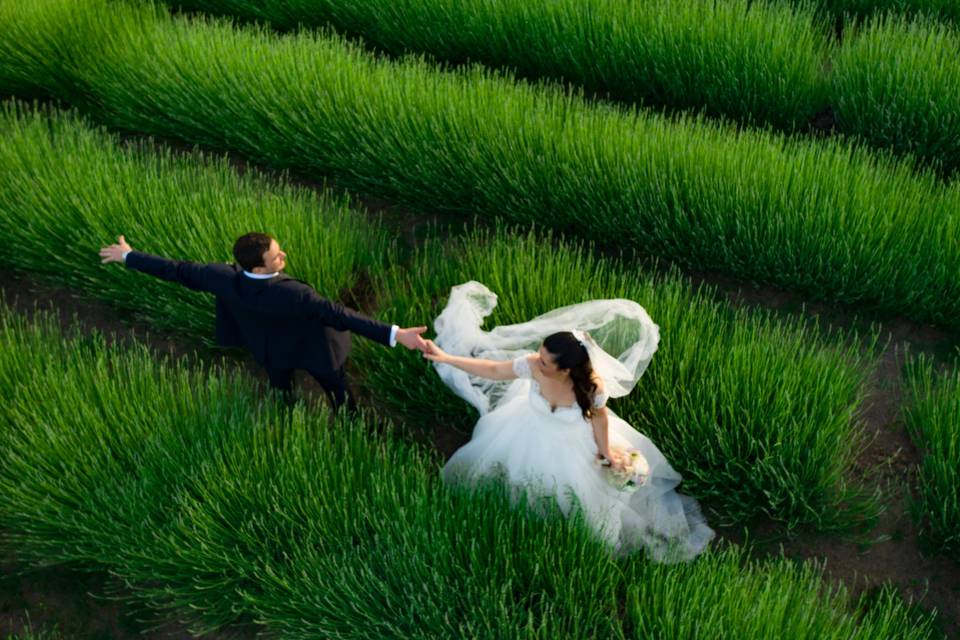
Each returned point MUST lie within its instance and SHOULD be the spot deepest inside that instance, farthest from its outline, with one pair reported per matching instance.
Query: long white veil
(606, 327)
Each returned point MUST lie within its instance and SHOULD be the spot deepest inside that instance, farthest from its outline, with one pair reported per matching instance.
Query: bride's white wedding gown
(550, 452)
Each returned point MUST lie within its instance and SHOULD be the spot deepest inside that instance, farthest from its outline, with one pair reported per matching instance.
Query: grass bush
(757, 64)
(222, 509)
(782, 592)
(754, 63)
(759, 415)
(67, 188)
(896, 85)
(829, 221)
(945, 10)
(933, 419)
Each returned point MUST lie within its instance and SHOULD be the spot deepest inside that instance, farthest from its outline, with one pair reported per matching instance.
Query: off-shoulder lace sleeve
(521, 367)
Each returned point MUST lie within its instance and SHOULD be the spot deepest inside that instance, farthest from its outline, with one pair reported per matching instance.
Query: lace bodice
(521, 367)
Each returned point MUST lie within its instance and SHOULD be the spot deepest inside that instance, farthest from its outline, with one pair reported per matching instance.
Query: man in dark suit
(282, 321)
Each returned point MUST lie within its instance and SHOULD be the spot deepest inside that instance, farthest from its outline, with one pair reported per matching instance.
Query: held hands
(114, 252)
(410, 337)
(434, 353)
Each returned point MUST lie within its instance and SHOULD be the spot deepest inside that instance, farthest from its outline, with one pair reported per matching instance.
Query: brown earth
(81, 604)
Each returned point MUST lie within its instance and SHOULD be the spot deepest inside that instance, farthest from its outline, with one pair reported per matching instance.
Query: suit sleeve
(339, 317)
(190, 274)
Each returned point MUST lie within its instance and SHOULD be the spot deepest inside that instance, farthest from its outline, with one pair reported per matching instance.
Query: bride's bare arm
(492, 369)
(600, 422)
(601, 432)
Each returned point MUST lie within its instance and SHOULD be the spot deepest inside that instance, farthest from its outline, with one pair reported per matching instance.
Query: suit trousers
(334, 384)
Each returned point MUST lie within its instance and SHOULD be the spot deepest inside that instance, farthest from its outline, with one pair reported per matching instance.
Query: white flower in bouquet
(634, 473)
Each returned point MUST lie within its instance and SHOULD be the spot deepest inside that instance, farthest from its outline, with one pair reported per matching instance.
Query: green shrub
(896, 85)
(933, 419)
(751, 62)
(947, 10)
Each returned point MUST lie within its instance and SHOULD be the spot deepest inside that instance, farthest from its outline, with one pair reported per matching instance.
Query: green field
(805, 288)
(224, 509)
(892, 81)
(820, 218)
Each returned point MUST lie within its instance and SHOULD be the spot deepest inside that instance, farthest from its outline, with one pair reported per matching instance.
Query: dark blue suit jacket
(281, 320)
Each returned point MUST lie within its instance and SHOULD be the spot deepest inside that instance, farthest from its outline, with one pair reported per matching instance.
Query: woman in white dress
(544, 424)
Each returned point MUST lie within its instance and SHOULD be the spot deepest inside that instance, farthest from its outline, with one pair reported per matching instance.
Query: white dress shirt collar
(261, 276)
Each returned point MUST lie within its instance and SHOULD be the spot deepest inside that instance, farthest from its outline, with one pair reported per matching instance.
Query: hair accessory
(579, 336)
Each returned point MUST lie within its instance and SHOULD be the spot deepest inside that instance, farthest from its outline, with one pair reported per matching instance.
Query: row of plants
(758, 413)
(830, 221)
(896, 85)
(893, 82)
(945, 10)
(218, 507)
(751, 62)
(933, 418)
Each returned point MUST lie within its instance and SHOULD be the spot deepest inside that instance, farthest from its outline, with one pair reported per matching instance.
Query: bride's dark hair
(569, 353)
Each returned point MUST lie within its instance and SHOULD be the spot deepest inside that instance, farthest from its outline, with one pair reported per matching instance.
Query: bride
(545, 427)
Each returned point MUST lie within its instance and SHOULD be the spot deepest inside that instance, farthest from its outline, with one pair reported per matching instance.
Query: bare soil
(81, 604)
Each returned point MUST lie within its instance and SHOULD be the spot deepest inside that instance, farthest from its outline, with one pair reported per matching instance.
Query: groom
(282, 321)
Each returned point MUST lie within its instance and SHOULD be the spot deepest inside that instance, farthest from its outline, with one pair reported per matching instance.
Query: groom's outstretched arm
(343, 318)
(189, 274)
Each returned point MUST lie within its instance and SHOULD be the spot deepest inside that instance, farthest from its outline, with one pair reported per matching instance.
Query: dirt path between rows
(890, 463)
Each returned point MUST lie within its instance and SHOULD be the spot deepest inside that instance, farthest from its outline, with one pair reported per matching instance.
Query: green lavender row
(221, 509)
(66, 189)
(895, 86)
(933, 418)
(945, 10)
(832, 222)
(774, 438)
(752, 62)
(758, 415)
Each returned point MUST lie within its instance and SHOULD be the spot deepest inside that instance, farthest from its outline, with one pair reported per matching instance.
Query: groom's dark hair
(248, 250)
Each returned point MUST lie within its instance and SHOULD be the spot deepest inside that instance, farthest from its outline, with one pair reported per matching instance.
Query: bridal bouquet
(632, 476)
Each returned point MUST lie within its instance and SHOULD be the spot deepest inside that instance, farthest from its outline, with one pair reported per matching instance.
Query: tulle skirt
(552, 455)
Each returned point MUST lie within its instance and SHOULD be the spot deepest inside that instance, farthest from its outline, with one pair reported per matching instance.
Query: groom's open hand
(114, 252)
(410, 338)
